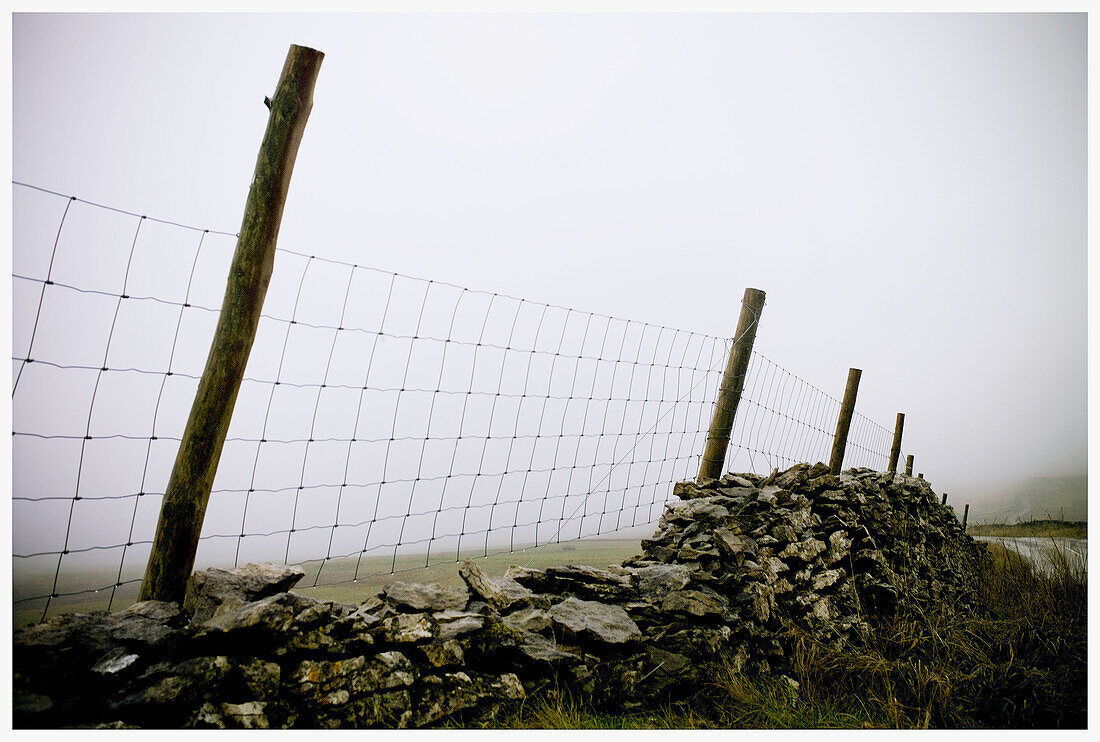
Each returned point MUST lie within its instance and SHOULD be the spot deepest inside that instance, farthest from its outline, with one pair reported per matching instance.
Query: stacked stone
(735, 564)
(826, 553)
(240, 654)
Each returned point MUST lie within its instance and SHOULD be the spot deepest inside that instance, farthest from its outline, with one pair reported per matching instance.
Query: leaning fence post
(966, 512)
(847, 409)
(733, 383)
(909, 465)
(188, 492)
(895, 450)
(944, 501)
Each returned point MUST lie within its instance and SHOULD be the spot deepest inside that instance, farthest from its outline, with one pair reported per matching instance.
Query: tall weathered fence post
(847, 409)
(733, 383)
(966, 512)
(909, 465)
(944, 501)
(188, 492)
(895, 450)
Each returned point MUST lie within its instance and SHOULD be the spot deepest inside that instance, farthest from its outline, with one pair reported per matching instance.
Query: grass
(1018, 661)
(1032, 528)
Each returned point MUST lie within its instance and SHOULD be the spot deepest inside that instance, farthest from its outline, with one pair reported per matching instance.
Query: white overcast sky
(909, 189)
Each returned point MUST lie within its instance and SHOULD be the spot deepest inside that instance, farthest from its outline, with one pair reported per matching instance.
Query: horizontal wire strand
(588, 463)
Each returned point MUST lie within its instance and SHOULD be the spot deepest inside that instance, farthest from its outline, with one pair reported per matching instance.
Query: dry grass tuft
(1018, 661)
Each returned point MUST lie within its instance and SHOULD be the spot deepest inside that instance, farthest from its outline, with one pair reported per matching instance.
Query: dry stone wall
(737, 568)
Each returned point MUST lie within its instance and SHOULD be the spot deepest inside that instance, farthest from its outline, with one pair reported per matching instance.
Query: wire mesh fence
(384, 421)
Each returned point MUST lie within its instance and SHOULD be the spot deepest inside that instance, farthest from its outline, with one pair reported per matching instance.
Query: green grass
(1034, 528)
(1018, 661)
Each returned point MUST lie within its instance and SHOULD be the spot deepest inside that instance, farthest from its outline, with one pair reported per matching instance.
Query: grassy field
(1019, 661)
(1033, 528)
(342, 580)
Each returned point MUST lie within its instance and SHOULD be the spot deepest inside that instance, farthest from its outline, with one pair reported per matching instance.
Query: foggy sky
(909, 190)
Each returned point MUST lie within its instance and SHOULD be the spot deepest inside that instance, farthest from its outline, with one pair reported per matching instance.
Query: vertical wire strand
(587, 405)
(267, 418)
(641, 422)
(42, 297)
(156, 414)
(313, 430)
(358, 416)
(488, 431)
(431, 410)
(397, 412)
(91, 412)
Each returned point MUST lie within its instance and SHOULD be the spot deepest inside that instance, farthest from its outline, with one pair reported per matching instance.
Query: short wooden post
(909, 465)
(966, 512)
(944, 501)
(844, 422)
(920, 476)
(895, 450)
(733, 383)
(188, 492)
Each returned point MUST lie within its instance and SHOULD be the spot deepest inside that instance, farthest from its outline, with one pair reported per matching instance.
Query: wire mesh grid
(784, 420)
(385, 422)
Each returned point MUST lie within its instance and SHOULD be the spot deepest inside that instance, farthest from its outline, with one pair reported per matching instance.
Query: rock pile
(734, 566)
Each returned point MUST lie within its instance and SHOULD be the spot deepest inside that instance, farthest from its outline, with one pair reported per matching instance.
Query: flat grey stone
(655, 581)
(210, 588)
(273, 614)
(529, 619)
(804, 550)
(701, 509)
(822, 580)
(456, 623)
(114, 663)
(407, 628)
(538, 647)
(430, 597)
(599, 622)
(444, 695)
(733, 545)
(694, 603)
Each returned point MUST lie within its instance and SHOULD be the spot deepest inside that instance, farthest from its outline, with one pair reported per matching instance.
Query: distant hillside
(1039, 498)
(1033, 529)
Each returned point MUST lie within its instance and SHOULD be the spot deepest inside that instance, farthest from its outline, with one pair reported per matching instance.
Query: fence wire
(385, 422)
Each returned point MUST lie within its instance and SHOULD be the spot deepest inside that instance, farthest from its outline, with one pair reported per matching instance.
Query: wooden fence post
(847, 409)
(895, 450)
(944, 501)
(733, 383)
(966, 512)
(909, 465)
(920, 476)
(188, 492)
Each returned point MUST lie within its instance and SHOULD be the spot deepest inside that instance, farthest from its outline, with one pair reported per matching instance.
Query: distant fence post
(895, 450)
(188, 492)
(966, 512)
(920, 476)
(733, 383)
(844, 422)
(909, 465)
(944, 501)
